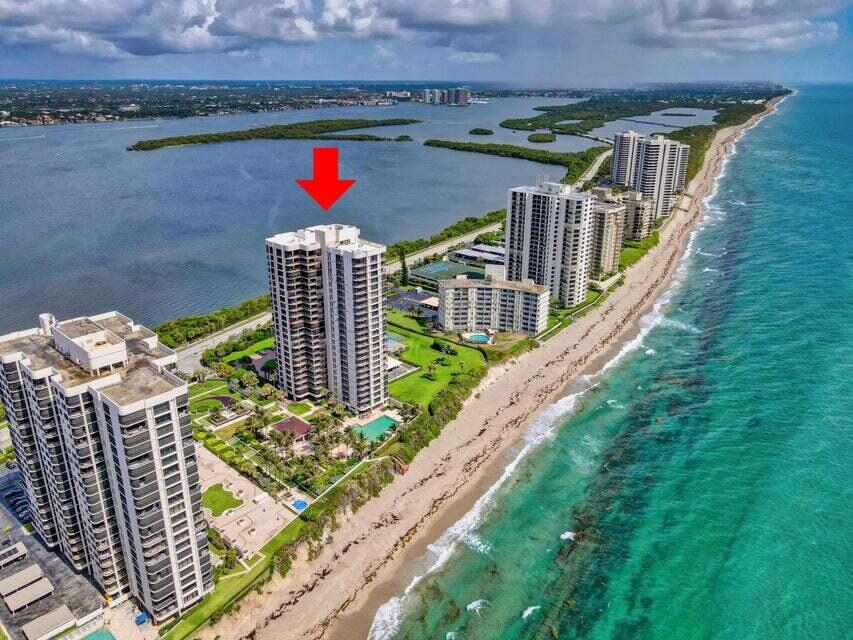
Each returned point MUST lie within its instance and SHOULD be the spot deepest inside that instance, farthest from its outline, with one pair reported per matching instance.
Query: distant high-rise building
(608, 230)
(625, 157)
(327, 299)
(549, 239)
(103, 438)
(639, 215)
(655, 166)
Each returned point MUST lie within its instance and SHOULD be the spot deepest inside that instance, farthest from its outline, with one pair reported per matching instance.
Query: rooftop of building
(608, 207)
(139, 377)
(331, 235)
(526, 286)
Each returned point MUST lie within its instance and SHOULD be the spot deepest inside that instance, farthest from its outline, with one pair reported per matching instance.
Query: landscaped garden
(437, 369)
(219, 500)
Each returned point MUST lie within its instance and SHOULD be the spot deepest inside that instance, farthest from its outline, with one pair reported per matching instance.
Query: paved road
(189, 357)
(593, 168)
(441, 247)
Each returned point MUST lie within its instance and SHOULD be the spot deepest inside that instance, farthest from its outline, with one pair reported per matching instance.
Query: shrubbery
(175, 333)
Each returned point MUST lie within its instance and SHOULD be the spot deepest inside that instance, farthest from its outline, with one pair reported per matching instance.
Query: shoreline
(371, 557)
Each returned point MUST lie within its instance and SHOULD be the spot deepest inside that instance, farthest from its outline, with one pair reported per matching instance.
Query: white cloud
(477, 30)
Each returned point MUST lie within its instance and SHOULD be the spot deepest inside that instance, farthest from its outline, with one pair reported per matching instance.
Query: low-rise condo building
(653, 165)
(498, 305)
(549, 239)
(327, 299)
(608, 229)
(103, 437)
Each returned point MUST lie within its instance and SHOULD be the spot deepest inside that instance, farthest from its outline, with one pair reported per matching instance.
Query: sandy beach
(371, 556)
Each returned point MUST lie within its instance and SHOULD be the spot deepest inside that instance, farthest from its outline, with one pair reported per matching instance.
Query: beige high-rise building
(608, 229)
(639, 215)
(103, 438)
(327, 299)
(655, 166)
(549, 239)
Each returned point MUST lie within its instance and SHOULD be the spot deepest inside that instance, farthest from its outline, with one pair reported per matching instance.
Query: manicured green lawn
(205, 405)
(258, 346)
(207, 386)
(416, 388)
(632, 251)
(299, 408)
(219, 500)
(405, 320)
(226, 433)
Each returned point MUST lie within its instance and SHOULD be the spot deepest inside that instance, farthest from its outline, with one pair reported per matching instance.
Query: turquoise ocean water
(703, 487)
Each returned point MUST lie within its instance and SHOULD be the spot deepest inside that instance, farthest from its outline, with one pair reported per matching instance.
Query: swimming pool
(374, 429)
(479, 338)
(100, 634)
(300, 504)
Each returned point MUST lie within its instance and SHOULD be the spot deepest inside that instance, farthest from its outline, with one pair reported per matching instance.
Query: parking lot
(70, 588)
(405, 300)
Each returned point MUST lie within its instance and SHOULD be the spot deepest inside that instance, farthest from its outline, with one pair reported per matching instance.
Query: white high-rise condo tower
(327, 299)
(655, 166)
(102, 433)
(549, 239)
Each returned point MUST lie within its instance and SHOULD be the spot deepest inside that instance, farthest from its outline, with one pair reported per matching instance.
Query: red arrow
(325, 187)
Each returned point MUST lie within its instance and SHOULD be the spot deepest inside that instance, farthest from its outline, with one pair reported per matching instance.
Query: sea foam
(388, 617)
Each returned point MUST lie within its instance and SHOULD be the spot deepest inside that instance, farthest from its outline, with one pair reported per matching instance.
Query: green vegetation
(480, 131)
(590, 114)
(278, 554)
(299, 408)
(542, 137)
(491, 237)
(181, 331)
(575, 162)
(633, 251)
(460, 228)
(437, 369)
(314, 130)
(261, 345)
(602, 174)
(219, 500)
(403, 138)
(699, 137)
(595, 112)
(203, 388)
(7, 455)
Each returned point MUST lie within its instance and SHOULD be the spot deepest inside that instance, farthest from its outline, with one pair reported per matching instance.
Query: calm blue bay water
(703, 487)
(87, 225)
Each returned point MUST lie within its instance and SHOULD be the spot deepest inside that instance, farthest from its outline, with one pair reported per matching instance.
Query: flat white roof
(20, 580)
(53, 621)
(10, 554)
(28, 595)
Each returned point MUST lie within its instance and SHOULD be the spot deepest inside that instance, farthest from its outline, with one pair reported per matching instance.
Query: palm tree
(259, 421)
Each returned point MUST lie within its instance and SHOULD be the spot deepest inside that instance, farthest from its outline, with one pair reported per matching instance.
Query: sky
(531, 42)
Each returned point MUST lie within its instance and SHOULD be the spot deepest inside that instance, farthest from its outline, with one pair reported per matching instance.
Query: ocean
(701, 486)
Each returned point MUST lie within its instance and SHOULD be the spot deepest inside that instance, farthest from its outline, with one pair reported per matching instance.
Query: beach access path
(370, 557)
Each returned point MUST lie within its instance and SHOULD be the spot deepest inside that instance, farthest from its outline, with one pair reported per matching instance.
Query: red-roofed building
(299, 428)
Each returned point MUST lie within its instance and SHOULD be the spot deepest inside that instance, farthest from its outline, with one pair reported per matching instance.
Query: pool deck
(359, 424)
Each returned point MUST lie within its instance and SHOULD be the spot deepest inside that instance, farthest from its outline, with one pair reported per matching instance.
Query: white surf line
(389, 616)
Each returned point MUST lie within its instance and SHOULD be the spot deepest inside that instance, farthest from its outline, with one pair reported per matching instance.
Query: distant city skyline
(602, 43)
